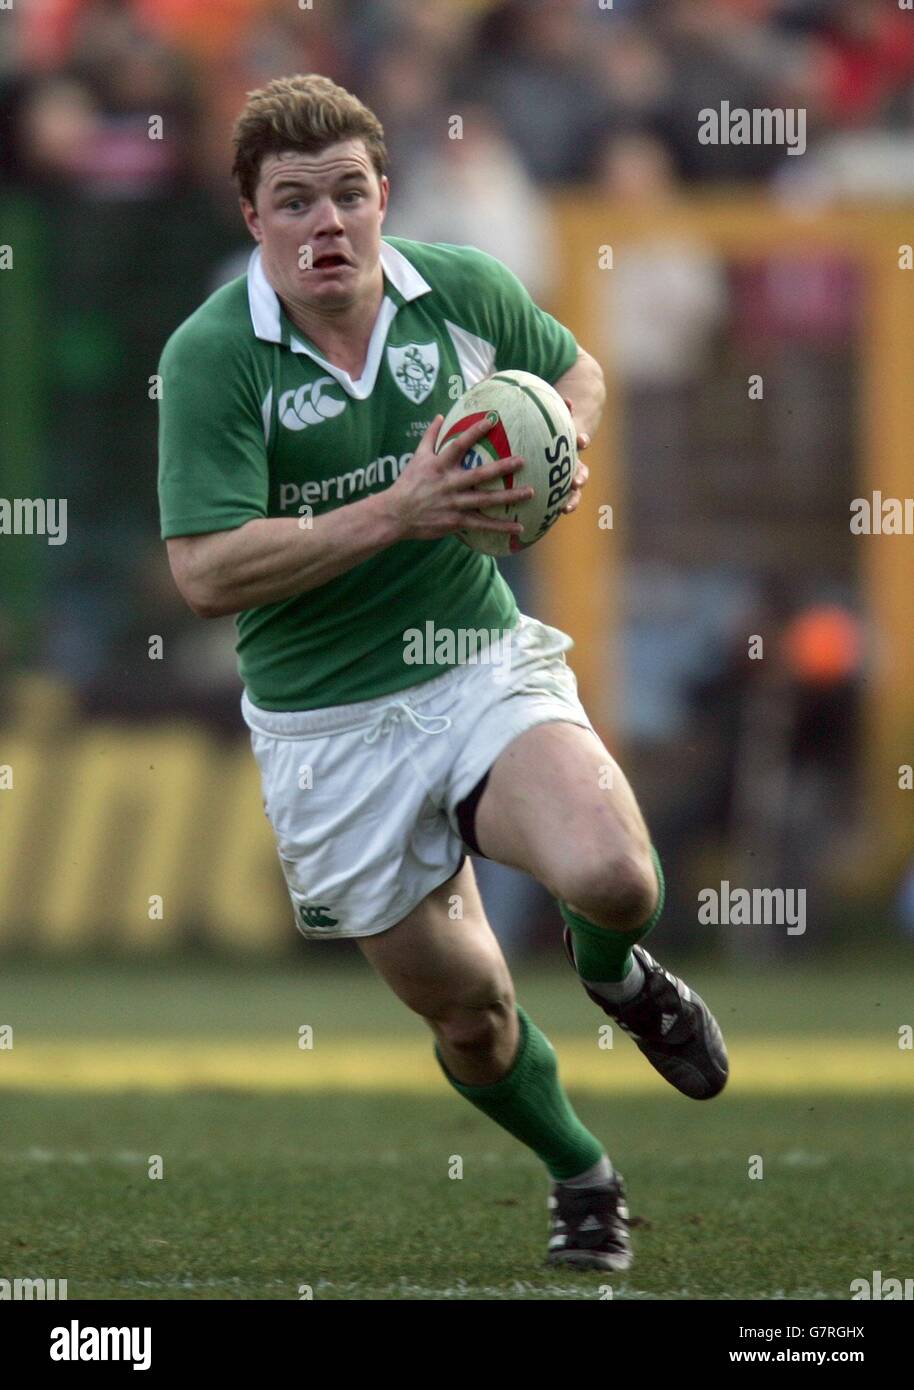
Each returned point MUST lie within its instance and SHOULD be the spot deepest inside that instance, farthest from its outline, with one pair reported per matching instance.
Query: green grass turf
(350, 1194)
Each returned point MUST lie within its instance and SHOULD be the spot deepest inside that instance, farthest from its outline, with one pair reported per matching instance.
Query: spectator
(530, 63)
(474, 190)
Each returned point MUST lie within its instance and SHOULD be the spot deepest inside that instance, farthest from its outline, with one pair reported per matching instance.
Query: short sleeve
(213, 464)
(526, 338)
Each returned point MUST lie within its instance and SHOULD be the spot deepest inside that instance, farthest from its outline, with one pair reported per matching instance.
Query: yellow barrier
(132, 834)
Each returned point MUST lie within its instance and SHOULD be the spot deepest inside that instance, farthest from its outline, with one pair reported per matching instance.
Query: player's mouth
(332, 261)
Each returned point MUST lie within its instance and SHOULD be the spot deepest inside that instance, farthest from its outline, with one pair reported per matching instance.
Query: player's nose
(327, 216)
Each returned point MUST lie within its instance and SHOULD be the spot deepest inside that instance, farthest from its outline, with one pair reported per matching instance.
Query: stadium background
(688, 270)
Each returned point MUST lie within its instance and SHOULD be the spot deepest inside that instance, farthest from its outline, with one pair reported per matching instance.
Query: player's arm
(273, 558)
(582, 386)
(268, 559)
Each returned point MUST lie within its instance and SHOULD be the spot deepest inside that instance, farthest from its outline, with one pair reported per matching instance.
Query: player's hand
(582, 473)
(434, 496)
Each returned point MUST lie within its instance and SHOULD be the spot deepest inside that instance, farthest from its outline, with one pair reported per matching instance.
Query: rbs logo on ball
(559, 459)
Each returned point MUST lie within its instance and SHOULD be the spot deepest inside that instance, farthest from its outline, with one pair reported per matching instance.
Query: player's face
(331, 202)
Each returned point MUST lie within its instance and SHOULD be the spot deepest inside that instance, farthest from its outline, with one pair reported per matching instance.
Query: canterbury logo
(309, 405)
(315, 917)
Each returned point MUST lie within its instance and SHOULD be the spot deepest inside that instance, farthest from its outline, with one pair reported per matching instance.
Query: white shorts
(363, 798)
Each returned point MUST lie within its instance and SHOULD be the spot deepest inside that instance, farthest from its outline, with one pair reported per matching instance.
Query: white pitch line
(459, 1291)
(77, 1156)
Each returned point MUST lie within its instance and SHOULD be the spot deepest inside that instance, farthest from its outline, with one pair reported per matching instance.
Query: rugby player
(300, 489)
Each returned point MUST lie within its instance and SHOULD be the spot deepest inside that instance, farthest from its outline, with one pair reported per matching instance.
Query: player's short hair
(303, 113)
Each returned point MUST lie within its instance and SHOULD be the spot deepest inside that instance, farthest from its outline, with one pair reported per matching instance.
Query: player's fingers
(497, 497)
(494, 468)
(577, 483)
(487, 523)
(455, 449)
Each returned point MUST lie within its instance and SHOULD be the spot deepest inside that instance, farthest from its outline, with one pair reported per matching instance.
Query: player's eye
(352, 193)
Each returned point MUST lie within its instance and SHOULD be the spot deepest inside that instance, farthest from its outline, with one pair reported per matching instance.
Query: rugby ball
(530, 419)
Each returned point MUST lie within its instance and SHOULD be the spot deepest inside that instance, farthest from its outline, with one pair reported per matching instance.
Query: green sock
(602, 954)
(530, 1104)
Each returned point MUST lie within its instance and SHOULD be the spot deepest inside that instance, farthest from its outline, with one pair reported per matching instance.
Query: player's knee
(477, 1026)
(618, 891)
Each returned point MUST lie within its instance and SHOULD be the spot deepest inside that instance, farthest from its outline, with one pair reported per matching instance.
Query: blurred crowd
(545, 86)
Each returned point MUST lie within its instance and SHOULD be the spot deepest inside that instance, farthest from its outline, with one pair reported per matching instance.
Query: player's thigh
(443, 959)
(558, 805)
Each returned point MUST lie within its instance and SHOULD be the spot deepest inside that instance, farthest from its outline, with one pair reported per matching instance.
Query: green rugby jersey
(254, 422)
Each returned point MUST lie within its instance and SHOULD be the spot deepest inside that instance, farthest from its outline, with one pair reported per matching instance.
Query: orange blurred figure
(823, 645)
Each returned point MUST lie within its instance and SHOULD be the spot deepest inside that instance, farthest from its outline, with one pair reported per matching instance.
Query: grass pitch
(287, 1173)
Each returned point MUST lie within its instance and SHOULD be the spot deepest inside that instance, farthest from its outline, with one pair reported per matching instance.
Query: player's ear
(385, 193)
(252, 221)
